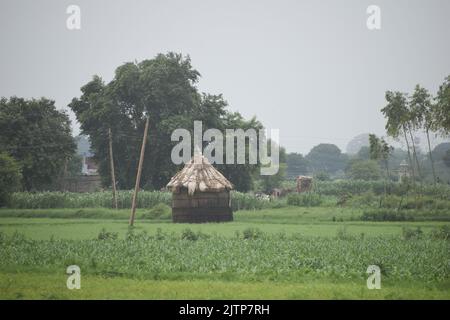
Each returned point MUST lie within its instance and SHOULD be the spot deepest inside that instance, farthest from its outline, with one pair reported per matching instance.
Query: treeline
(37, 147)
(406, 115)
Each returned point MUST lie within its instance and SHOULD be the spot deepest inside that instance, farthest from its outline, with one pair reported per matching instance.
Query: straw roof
(199, 174)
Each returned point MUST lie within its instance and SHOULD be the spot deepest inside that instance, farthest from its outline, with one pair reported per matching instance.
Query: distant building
(88, 180)
(403, 171)
(89, 166)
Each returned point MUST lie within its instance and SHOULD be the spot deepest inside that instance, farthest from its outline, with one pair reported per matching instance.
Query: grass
(43, 224)
(297, 253)
(53, 286)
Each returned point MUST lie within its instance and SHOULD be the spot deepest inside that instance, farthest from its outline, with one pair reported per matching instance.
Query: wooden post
(113, 176)
(138, 176)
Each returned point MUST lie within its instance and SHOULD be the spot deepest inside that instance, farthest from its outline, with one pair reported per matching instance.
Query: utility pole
(113, 176)
(138, 177)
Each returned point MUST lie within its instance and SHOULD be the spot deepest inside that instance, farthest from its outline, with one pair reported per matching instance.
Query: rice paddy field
(289, 252)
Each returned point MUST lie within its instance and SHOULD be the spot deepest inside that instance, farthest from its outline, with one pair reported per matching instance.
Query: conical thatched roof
(199, 174)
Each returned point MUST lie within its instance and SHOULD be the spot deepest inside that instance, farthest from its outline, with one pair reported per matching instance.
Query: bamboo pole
(138, 176)
(113, 176)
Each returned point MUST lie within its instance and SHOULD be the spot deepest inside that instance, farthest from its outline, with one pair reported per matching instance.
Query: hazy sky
(310, 68)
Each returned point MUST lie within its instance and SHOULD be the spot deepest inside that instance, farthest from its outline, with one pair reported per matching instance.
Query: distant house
(403, 171)
(89, 166)
(88, 180)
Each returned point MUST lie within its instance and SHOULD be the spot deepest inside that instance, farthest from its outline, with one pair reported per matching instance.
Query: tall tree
(296, 165)
(327, 158)
(442, 108)
(10, 177)
(397, 116)
(164, 89)
(422, 113)
(38, 137)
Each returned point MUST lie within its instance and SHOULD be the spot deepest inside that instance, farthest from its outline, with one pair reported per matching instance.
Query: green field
(284, 253)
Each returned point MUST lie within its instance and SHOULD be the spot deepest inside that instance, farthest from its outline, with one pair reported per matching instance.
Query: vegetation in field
(275, 247)
(38, 285)
(10, 177)
(38, 137)
(250, 256)
(146, 199)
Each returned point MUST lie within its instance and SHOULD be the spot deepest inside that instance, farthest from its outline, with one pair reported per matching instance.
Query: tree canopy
(163, 89)
(38, 137)
(326, 157)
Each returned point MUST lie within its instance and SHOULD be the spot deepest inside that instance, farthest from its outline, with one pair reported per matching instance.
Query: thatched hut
(200, 193)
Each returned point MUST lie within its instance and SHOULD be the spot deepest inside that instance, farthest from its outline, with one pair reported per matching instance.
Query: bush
(364, 170)
(105, 235)
(342, 234)
(409, 233)
(188, 234)
(252, 233)
(385, 215)
(248, 201)
(9, 177)
(304, 199)
(442, 232)
(161, 211)
(337, 187)
(322, 176)
(47, 200)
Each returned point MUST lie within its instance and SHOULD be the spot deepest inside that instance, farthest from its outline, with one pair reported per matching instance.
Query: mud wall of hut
(201, 207)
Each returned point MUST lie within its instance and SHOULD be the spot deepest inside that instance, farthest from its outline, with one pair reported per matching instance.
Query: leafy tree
(380, 150)
(363, 170)
(440, 150)
(422, 113)
(322, 176)
(270, 182)
(38, 137)
(241, 175)
(446, 158)
(326, 157)
(397, 114)
(10, 177)
(363, 153)
(164, 90)
(442, 108)
(74, 165)
(296, 165)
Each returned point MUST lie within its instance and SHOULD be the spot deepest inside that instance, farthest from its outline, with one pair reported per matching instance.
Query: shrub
(409, 233)
(342, 234)
(105, 235)
(248, 201)
(10, 177)
(161, 211)
(188, 234)
(442, 232)
(385, 215)
(252, 233)
(304, 199)
(322, 176)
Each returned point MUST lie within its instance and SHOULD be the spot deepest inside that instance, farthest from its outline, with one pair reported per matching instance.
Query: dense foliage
(10, 177)
(164, 90)
(38, 137)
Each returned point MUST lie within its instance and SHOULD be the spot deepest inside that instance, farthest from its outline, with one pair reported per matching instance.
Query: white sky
(310, 68)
